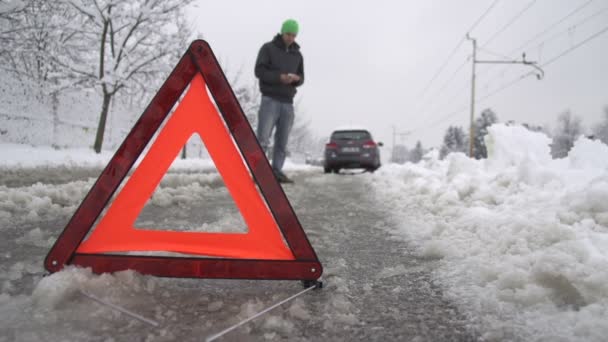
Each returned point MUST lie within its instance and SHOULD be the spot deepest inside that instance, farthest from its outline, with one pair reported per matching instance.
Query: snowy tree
(301, 139)
(248, 94)
(568, 129)
(10, 22)
(600, 131)
(10, 11)
(124, 46)
(417, 153)
(487, 119)
(533, 128)
(31, 38)
(454, 140)
(9, 7)
(249, 98)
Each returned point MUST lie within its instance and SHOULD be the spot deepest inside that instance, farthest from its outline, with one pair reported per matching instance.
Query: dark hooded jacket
(274, 59)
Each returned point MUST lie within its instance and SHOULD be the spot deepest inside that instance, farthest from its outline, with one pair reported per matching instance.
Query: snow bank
(40, 202)
(58, 288)
(188, 180)
(522, 238)
(56, 299)
(15, 156)
(18, 156)
(26, 156)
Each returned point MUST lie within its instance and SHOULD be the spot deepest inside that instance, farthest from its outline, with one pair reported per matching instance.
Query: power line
(550, 27)
(451, 78)
(576, 25)
(482, 16)
(495, 54)
(518, 79)
(455, 49)
(540, 34)
(558, 34)
(590, 38)
(505, 86)
(546, 64)
(441, 120)
(511, 22)
(438, 72)
(459, 68)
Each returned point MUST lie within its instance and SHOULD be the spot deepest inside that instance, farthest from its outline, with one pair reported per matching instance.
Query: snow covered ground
(19, 156)
(371, 291)
(518, 242)
(521, 239)
(33, 211)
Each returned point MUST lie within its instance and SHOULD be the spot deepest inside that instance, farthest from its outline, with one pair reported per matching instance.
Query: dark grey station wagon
(351, 149)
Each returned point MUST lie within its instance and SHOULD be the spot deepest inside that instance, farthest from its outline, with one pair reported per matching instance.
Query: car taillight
(369, 144)
(331, 146)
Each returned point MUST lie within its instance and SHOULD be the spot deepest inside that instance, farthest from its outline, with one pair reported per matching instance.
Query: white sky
(368, 62)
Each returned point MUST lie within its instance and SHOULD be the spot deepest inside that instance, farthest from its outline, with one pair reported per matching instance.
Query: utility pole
(475, 61)
(472, 123)
(401, 136)
(393, 150)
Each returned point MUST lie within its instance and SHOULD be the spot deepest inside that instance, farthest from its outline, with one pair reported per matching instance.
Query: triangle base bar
(201, 267)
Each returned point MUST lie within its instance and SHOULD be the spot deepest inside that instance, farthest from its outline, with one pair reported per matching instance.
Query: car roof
(350, 128)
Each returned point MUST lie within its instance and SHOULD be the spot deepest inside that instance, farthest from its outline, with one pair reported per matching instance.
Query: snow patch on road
(56, 299)
(20, 156)
(40, 202)
(522, 238)
(59, 287)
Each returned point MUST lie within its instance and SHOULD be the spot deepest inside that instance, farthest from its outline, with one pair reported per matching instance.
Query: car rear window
(350, 135)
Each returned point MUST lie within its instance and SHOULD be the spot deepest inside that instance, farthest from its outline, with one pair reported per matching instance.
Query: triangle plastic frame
(199, 58)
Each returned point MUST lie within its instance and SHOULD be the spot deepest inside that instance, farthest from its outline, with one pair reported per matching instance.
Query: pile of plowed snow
(521, 238)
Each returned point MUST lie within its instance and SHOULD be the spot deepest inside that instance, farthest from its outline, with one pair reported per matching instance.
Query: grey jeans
(277, 115)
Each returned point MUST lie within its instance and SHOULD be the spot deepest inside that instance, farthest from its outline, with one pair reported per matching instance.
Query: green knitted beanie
(290, 26)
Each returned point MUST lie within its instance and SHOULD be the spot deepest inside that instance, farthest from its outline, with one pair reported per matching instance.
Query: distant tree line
(568, 128)
(401, 154)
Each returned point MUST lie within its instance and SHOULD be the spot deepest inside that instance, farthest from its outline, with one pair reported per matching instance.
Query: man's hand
(294, 77)
(286, 78)
(289, 78)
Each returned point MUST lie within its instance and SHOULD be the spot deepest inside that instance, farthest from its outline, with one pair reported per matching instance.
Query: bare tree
(125, 46)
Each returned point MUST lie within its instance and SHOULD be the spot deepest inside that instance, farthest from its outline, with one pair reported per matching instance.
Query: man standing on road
(280, 69)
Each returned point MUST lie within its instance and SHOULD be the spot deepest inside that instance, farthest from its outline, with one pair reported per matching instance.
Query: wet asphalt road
(376, 288)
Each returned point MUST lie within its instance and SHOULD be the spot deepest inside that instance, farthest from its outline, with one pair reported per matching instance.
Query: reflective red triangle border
(199, 58)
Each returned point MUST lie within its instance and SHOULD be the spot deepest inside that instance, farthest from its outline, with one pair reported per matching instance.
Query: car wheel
(326, 170)
(336, 171)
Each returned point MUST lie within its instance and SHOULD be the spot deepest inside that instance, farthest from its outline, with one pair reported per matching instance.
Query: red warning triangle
(275, 246)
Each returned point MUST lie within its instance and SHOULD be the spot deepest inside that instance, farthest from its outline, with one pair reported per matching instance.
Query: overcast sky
(369, 63)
